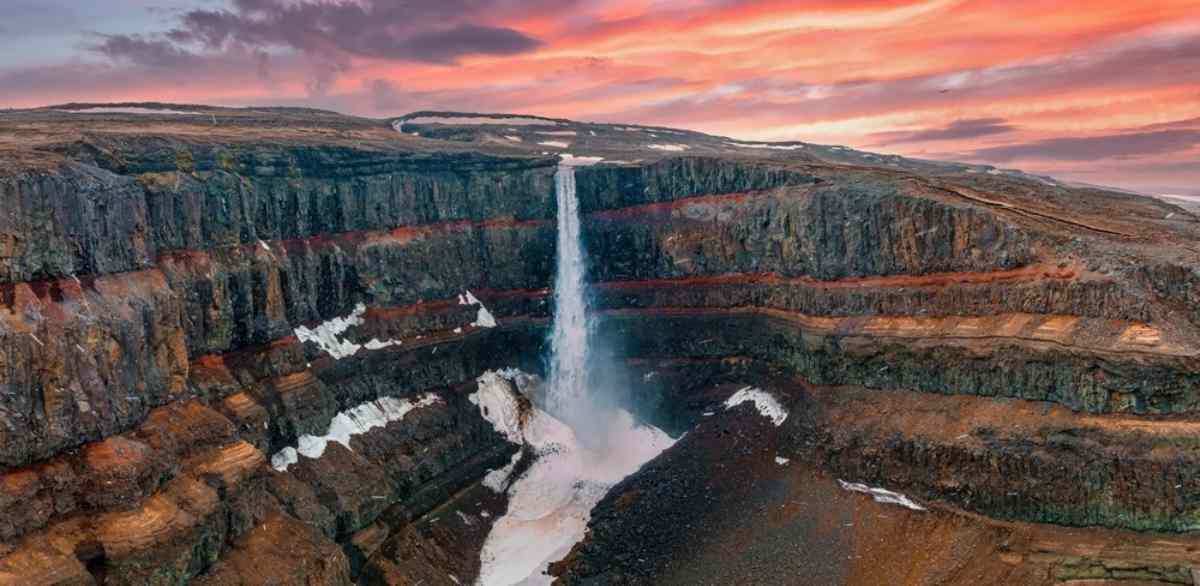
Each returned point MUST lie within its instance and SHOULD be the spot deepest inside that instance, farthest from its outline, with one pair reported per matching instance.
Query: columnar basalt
(155, 274)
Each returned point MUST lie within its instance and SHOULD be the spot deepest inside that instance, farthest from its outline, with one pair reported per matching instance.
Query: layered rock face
(190, 309)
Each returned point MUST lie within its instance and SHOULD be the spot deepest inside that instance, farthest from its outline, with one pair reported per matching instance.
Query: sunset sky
(1102, 91)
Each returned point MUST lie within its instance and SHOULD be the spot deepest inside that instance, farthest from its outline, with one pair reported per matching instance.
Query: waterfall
(569, 339)
(582, 442)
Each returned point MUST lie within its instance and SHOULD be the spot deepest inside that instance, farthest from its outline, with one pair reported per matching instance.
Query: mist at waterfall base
(579, 431)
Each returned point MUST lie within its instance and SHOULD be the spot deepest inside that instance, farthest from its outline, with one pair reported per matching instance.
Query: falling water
(582, 444)
(569, 338)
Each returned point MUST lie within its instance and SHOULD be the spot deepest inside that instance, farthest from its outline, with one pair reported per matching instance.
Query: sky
(1098, 91)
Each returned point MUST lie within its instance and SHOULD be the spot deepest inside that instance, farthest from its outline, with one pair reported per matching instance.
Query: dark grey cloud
(318, 37)
(140, 50)
(1125, 145)
(957, 130)
(447, 45)
(431, 31)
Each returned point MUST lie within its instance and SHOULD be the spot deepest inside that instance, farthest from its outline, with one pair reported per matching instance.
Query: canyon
(250, 346)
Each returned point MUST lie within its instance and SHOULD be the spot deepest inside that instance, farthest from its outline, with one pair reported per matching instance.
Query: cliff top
(142, 137)
(36, 136)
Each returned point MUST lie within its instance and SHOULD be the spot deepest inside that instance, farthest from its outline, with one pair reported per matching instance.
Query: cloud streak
(1089, 148)
(957, 130)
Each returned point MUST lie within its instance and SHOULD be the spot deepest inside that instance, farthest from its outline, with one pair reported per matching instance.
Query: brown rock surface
(280, 551)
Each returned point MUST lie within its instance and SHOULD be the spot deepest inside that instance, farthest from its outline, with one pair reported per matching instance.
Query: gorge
(287, 346)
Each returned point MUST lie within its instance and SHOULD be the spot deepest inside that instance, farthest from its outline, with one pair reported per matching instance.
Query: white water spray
(570, 338)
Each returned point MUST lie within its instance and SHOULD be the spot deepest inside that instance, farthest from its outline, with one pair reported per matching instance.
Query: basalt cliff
(190, 295)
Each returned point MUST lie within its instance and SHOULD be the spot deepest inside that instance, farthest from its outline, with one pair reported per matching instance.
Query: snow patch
(1179, 196)
(513, 138)
(284, 458)
(480, 121)
(782, 461)
(483, 317)
(557, 132)
(777, 147)
(551, 503)
(767, 405)
(675, 148)
(375, 344)
(327, 336)
(556, 144)
(498, 405)
(573, 161)
(348, 424)
(497, 479)
(129, 110)
(881, 495)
